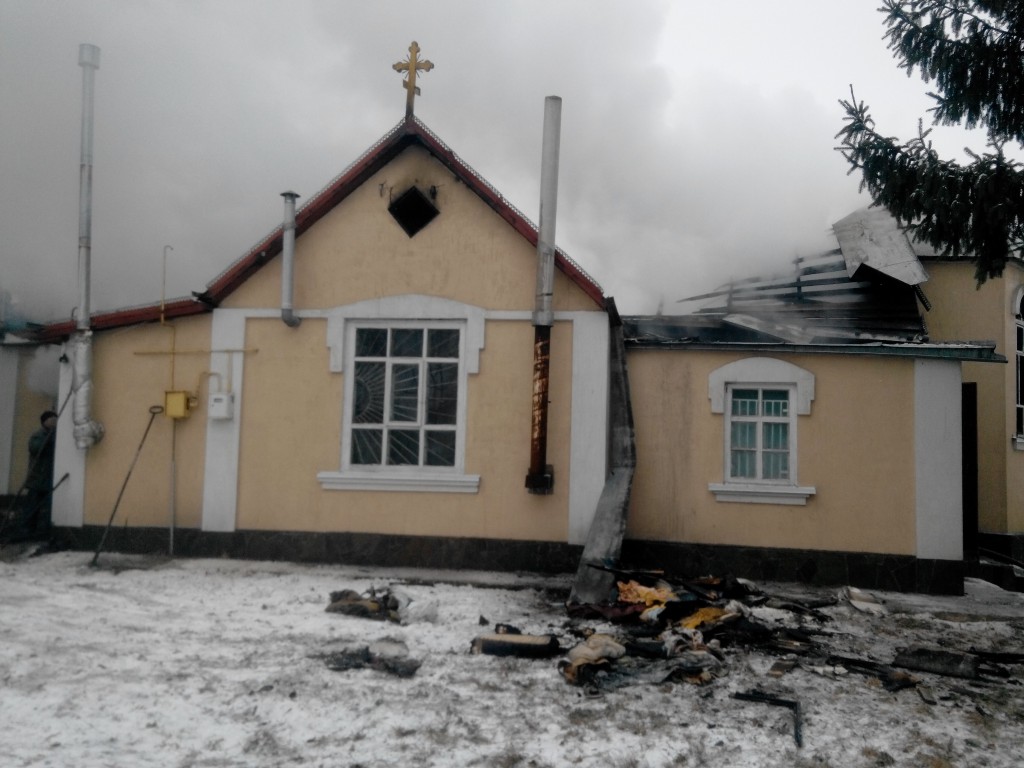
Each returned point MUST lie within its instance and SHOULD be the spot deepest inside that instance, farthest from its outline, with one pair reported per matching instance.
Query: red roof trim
(410, 131)
(120, 318)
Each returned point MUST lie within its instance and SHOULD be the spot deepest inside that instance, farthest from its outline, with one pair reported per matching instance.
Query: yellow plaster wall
(962, 311)
(1013, 520)
(291, 429)
(128, 379)
(856, 448)
(291, 420)
(291, 417)
(358, 251)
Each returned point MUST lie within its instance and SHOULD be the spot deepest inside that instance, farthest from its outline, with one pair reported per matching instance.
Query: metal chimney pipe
(89, 61)
(288, 261)
(86, 431)
(542, 314)
(541, 477)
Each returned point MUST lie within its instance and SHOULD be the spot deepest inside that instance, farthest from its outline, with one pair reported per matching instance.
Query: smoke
(697, 140)
(42, 374)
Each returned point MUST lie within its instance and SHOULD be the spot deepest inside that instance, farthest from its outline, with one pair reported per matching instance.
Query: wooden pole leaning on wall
(154, 411)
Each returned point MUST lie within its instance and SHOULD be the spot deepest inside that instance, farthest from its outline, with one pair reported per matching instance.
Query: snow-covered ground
(156, 662)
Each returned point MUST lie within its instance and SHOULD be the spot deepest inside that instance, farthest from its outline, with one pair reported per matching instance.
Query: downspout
(288, 261)
(86, 431)
(541, 476)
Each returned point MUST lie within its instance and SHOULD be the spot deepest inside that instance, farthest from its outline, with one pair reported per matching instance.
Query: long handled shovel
(154, 410)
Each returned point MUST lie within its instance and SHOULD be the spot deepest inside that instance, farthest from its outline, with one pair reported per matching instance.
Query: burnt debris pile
(722, 633)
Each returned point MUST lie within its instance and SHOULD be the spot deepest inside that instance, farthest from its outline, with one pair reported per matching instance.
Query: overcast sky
(697, 138)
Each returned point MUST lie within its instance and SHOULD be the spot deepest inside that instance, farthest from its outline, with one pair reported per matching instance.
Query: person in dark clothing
(39, 482)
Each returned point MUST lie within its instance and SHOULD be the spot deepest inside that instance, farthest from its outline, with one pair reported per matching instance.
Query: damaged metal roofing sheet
(861, 298)
(816, 303)
(871, 237)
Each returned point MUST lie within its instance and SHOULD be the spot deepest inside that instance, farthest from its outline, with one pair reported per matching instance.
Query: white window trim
(418, 481)
(758, 493)
(421, 311)
(762, 372)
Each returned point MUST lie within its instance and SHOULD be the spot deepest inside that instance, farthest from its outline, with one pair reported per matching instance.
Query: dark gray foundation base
(1007, 544)
(995, 561)
(899, 573)
(340, 548)
(895, 573)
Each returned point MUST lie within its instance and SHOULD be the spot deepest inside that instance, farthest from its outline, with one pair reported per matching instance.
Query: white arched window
(760, 399)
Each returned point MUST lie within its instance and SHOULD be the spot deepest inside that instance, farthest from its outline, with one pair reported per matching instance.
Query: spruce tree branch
(945, 10)
(978, 67)
(974, 51)
(900, 23)
(974, 210)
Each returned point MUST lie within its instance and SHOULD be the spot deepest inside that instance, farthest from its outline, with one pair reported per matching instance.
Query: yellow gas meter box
(176, 404)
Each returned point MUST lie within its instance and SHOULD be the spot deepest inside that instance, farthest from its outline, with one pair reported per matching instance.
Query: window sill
(1017, 441)
(417, 482)
(752, 493)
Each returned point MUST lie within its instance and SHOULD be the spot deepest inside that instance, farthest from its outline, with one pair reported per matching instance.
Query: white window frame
(419, 425)
(759, 420)
(403, 312)
(761, 373)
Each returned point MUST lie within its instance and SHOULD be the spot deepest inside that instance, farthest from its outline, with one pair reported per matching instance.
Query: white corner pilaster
(588, 459)
(69, 499)
(220, 478)
(937, 459)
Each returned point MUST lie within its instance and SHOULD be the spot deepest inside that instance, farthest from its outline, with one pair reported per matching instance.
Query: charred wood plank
(781, 667)
(938, 661)
(768, 698)
(646, 649)
(892, 679)
(526, 646)
(998, 657)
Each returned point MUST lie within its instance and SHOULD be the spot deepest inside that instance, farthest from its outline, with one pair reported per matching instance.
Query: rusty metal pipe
(541, 477)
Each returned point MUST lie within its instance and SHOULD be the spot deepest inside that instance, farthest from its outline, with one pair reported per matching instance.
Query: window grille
(759, 434)
(405, 397)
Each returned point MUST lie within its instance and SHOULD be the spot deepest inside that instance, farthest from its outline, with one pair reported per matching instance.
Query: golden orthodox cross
(411, 65)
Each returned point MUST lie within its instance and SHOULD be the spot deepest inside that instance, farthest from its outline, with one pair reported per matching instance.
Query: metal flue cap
(88, 56)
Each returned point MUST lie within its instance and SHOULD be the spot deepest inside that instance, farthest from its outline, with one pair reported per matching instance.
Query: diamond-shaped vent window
(412, 210)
